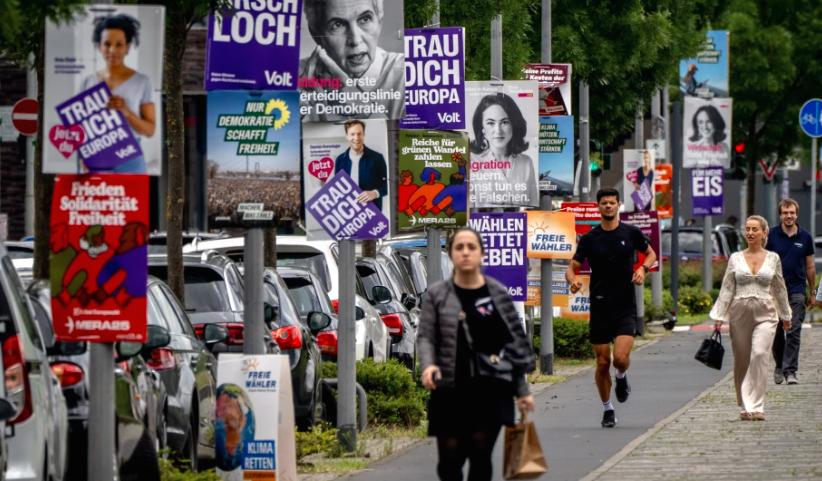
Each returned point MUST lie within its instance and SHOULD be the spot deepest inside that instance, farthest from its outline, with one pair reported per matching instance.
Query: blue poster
(503, 235)
(706, 76)
(556, 154)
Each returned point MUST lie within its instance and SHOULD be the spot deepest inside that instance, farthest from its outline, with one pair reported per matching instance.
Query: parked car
(20, 249)
(139, 395)
(415, 260)
(36, 436)
(733, 236)
(395, 315)
(158, 241)
(296, 336)
(213, 295)
(401, 286)
(188, 371)
(7, 411)
(690, 244)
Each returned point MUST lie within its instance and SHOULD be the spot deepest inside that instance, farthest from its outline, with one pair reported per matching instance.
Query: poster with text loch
(98, 252)
(503, 235)
(707, 135)
(434, 78)
(352, 60)
(359, 148)
(254, 46)
(554, 87)
(118, 129)
(639, 182)
(247, 417)
(556, 155)
(707, 75)
(433, 179)
(503, 125)
(253, 154)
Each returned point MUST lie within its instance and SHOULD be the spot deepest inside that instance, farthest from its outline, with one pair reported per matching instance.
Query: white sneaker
(791, 378)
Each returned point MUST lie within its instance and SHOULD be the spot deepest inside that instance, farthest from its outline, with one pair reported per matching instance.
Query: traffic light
(596, 171)
(739, 166)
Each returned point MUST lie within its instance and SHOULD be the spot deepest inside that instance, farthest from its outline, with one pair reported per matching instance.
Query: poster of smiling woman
(503, 124)
(352, 60)
(707, 133)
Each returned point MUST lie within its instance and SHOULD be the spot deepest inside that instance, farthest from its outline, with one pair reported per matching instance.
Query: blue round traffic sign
(810, 117)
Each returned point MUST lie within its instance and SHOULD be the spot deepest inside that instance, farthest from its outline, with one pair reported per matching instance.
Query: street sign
(24, 116)
(768, 170)
(810, 118)
(250, 207)
(258, 215)
(656, 145)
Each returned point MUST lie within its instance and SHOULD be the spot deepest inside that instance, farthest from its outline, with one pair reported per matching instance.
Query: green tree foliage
(776, 65)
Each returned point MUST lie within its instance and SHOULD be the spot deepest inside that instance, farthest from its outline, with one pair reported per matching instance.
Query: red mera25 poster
(99, 257)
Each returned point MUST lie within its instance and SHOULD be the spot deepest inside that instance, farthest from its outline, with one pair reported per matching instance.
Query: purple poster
(642, 197)
(434, 78)
(504, 236)
(256, 46)
(707, 188)
(105, 140)
(338, 208)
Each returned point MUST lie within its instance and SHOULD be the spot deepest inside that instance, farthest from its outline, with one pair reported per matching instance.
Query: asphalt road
(663, 377)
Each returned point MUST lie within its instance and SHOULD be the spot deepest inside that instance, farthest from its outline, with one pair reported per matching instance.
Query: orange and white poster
(551, 235)
(579, 304)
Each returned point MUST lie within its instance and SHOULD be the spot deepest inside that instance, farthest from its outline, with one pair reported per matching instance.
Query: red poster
(587, 217)
(99, 257)
(664, 193)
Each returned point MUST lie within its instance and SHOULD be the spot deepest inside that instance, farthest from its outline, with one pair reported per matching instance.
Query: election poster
(253, 152)
(561, 288)
(503, 235)
(648, 223)
(554, 87)
(352, 60)
(433, 179)
(639, 183)
(254, 428)
(503, 126)
(358, 148)
(586, 217)
(434, 78)
(579, 304)
(254, 46)
(551, 235)
(98, 252)
(707, 189)
(707, 136)
(706, 76)
(663, 184)
(339, 207)
(116, 127)
(556, 155)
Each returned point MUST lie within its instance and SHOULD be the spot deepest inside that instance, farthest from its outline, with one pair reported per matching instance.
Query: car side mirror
(409, 301)
(214, 333)
(270, 313)
(7, 409)
(61, 348)
(381, 294)
(360, 314)
(126, 350)
(317, 321)
(157, 337)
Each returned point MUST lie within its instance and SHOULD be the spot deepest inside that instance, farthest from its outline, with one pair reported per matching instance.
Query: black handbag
(711, 352)
(486, 365)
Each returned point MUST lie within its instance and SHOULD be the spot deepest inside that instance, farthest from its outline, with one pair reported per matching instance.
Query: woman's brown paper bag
(523, 454)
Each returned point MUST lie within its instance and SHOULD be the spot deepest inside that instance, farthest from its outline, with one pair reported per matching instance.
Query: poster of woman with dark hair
(707, 133)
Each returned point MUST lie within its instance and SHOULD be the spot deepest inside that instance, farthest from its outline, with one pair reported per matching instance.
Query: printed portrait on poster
(639, 183)
(707, 133)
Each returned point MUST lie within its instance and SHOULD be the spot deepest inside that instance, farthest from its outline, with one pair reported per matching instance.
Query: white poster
(707, 133)
(254, 428)
(503, 124)
(357, 147)
(638, 185)
(121, 45)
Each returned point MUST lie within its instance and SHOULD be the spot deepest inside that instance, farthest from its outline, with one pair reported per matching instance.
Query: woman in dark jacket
(467, 410)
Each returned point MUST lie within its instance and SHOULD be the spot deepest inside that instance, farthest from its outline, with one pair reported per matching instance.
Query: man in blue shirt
(366, 166)
(795, 248)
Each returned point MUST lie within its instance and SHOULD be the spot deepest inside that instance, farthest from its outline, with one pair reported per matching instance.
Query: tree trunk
(43, 183)
(369, 249)
(176, 33)
(270, 247)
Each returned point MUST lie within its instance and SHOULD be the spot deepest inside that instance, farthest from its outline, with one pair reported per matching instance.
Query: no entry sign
(24, 116)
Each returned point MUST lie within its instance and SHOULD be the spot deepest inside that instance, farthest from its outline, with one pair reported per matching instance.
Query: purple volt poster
(344, 214)
(103, 139)
(256, 46)
(503, 235)
(707, 189)
(434, 78)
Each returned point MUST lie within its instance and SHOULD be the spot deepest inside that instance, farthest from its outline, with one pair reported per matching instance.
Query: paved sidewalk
(706, 439)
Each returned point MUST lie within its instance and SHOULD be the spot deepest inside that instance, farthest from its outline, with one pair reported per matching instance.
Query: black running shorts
(604, 331)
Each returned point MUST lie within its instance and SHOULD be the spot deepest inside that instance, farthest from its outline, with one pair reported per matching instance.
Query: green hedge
(690, 274)
(570, 339)
(692, 301)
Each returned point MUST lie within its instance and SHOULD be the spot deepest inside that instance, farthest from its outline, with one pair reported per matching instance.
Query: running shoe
(623, 389)
(791, 378)
(778, 377)
(609, 419)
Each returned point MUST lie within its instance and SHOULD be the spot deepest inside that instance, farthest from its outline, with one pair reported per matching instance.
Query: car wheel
(143, 465)
(189, 455)
(162, 437)
(305, 424)
(370, 350)
(329, 405)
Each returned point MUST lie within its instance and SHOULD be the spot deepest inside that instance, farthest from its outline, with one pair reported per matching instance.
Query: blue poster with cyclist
(706, 76)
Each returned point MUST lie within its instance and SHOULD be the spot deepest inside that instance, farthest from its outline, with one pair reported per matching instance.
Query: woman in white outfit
(753, 299)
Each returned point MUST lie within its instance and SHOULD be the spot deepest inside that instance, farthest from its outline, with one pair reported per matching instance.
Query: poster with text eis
(98, 250)
(254, 46)
(102, 109)
(434, 78)
(433, 179)
(352, 60)
(253, 155)
(503, 126)
(556, 155)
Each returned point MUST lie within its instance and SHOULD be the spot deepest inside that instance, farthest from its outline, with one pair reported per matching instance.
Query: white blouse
(740, 283)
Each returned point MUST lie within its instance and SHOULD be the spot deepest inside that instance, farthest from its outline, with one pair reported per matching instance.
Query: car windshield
(205, 289)
(370, 279)
(689, 243)
(304, 294)
(310, 260)
(736, 242)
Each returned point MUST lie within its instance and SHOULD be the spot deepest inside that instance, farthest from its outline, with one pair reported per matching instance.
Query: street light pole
(546, 270)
